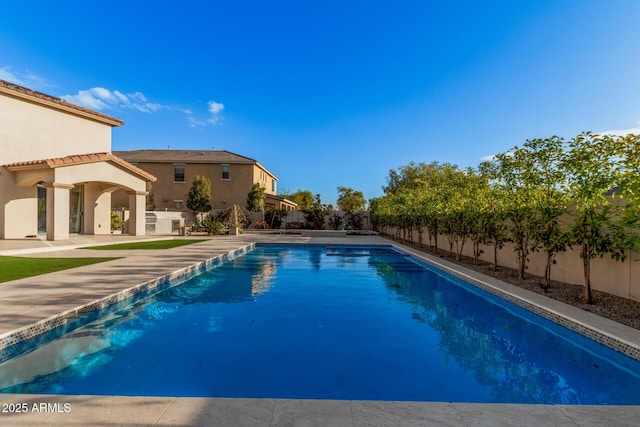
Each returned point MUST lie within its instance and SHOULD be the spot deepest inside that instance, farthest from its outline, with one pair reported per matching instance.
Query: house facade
(231, 176)
(57, 171)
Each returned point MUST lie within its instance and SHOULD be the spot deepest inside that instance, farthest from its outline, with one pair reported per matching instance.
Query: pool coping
(19, 335)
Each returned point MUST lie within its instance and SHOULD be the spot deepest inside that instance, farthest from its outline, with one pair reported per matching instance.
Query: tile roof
(192, 156)
(188, 156)
(282, 199)
(57, 103)
(78, 159)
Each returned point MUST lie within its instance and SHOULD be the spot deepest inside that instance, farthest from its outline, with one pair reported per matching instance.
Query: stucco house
(231, 176)
(57, 171)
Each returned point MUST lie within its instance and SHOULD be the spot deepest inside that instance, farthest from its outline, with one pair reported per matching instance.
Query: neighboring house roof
(79, 159)
(282, 199)
(30, 95)
(187, 156)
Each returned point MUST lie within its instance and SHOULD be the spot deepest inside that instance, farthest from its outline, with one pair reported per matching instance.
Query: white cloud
(215, 108)
(492, 157)
(620, 132)
(99, 98)
(193, 122)
(215, 117)
(24, 78)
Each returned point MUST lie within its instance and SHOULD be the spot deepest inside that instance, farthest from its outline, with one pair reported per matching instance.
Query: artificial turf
(154, 244)
(14, 268)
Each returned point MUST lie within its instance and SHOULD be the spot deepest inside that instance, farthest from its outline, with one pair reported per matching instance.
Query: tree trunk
(586, 262)
(522, 261)
(451, 241)
(460, 246)
(495, 257)
(476, 252)
(547, 270)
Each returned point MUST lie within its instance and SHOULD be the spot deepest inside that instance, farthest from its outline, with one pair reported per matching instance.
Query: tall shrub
(514, 183)
(590, 165)
(199, 197)
(551, 202)
(255, 198)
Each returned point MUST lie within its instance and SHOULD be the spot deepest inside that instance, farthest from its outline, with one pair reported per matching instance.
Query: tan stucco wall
(264, 179)
(223, 192)
(103, 172)
(32, 132)
(18, 199)
(97, 208)
(37, 129)
(607, 275)
(18, 208)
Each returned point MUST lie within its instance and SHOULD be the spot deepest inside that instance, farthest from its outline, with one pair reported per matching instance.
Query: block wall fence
(607, 275)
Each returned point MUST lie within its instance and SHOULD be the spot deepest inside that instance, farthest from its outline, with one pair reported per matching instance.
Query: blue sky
(335, 93)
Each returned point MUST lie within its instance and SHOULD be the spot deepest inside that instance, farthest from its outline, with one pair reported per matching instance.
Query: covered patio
(55, 197)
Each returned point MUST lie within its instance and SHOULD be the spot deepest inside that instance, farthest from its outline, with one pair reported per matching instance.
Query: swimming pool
(327, 322)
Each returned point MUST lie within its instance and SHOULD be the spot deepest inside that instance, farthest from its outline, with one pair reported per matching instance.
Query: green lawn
(13, 268)
(155, 244)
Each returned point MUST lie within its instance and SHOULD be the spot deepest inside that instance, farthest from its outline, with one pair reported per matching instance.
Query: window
(178, 173)
(178, 204)
(273, 185)
(225, 171)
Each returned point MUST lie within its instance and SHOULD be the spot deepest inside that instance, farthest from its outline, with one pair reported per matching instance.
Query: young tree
(514, 183)
(303, 198)
(493, 219)
(350, 200)
(335, 220)
(551, 202)
(255, 198)
(199, 197)
(589, 163)
(627, 154)
(314, 216)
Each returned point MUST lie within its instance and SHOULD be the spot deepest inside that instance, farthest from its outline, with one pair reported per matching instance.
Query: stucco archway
(97, 174)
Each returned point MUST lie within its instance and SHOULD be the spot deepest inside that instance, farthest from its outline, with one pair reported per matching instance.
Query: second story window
(178, 173)
(273, 185)
(225, 171)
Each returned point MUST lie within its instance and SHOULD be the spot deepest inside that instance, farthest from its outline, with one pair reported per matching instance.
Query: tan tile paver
(26, 301)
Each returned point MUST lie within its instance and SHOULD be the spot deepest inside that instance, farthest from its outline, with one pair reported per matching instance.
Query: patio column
(137, 211)
(58, 210)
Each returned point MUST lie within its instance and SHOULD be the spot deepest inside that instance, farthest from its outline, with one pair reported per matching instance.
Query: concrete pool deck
(64, 290)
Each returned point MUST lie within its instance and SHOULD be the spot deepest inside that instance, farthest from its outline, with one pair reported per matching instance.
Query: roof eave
(104, 119)
(96, 157)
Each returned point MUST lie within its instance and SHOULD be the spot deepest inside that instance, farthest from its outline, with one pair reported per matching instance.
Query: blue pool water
(329, 323)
